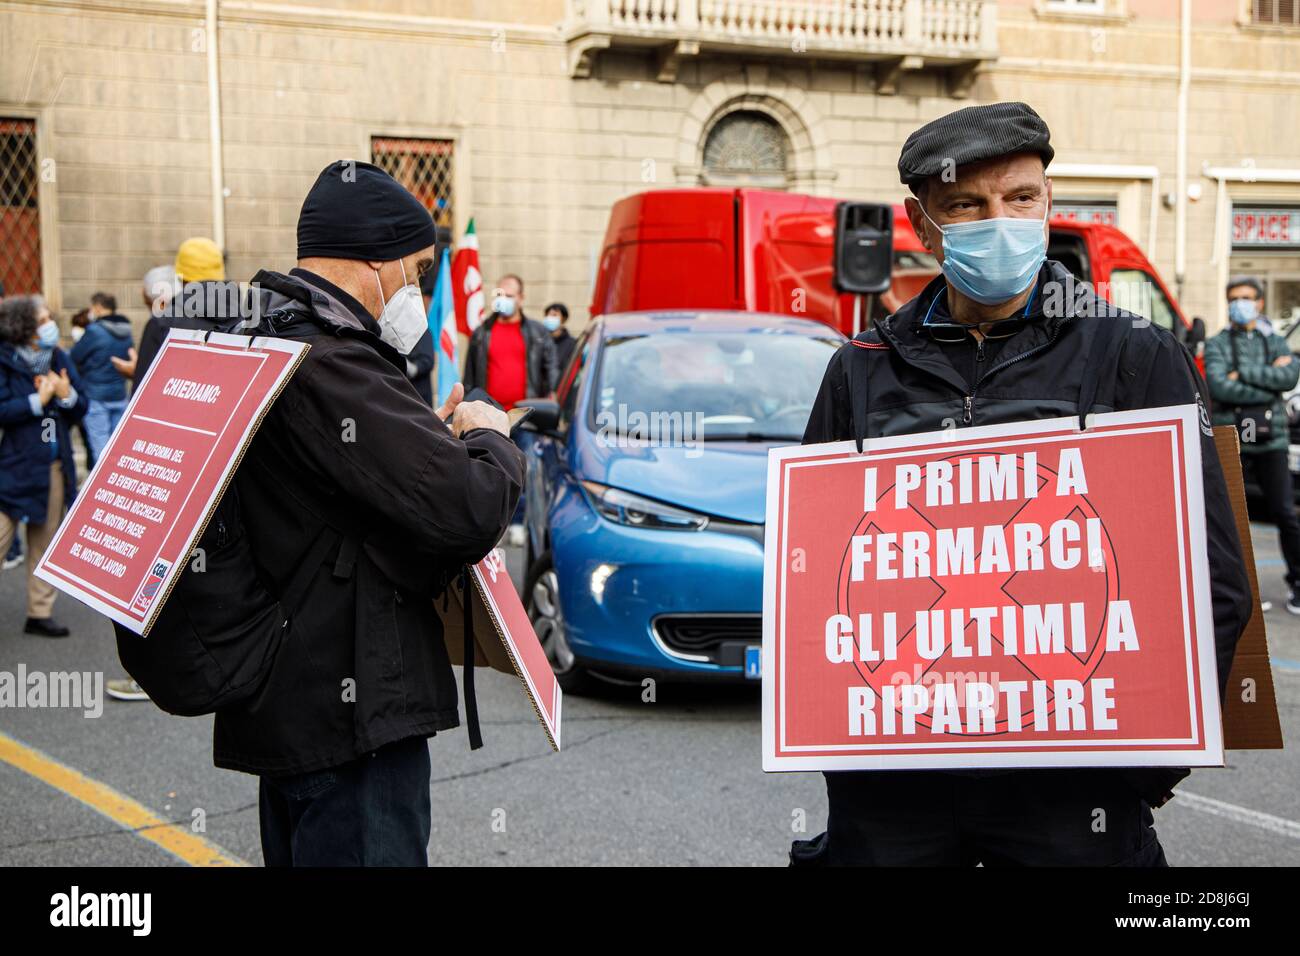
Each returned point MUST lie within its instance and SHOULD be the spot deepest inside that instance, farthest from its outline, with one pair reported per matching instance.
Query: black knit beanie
(358, 211)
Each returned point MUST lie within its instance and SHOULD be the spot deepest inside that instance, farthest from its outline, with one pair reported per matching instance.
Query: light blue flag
(442, 326)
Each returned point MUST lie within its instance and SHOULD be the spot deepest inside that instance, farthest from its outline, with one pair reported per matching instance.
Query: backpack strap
(471, 701)
(867, 345)
(1112, 340)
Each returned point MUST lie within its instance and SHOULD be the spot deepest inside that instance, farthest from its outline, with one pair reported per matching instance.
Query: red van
(756, 250)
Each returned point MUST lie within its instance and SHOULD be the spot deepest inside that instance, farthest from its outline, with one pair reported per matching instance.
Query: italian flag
(467, 283)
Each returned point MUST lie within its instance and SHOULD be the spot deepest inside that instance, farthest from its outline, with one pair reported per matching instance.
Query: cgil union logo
(102, 909)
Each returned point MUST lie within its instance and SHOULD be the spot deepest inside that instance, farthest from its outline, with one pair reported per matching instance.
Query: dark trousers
(373, 811)
(1019, 818)
(1273, 475)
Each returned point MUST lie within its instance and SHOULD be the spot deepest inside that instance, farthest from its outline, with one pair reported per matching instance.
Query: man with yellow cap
(201, 300)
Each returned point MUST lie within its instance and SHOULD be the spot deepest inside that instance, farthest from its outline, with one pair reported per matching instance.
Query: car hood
(725, 479)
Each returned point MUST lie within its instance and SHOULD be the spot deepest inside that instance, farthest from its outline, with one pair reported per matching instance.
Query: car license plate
(753, 663)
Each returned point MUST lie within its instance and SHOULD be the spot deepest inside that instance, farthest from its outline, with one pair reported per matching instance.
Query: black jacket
(564, 346)
(539, 357)
(906, 382)
(350, 449)
(207, 306)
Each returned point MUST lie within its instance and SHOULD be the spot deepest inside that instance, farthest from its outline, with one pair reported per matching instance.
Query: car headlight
(625, 508)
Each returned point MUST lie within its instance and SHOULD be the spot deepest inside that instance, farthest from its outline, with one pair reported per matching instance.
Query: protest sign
(135, 521)
(504, 638)
(1020, 595)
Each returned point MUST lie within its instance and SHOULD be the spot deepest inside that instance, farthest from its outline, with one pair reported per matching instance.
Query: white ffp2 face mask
(402, 322)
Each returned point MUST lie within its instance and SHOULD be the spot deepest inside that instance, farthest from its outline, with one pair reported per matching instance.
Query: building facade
(127, 126)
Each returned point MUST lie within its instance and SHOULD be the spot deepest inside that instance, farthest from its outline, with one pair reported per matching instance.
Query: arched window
(746, 148)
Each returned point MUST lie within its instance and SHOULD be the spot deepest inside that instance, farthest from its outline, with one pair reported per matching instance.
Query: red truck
(757, 250)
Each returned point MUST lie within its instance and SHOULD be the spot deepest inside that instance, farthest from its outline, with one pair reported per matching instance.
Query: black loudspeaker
(864, 247)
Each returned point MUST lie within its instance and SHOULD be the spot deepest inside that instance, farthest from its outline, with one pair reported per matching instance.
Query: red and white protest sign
(138, 515)
(1022, 595)
(517, 636)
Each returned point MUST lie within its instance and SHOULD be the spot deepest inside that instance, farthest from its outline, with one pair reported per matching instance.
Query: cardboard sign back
(489, 651)
(504, 639)
(1254, 724)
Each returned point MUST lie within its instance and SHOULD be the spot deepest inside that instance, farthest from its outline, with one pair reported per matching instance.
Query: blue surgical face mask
(552, 322)
(1243, 311)
(992, 260)
(503, 305)
(47, 335)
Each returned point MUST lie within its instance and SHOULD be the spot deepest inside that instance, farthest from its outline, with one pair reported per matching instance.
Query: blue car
(646, 491)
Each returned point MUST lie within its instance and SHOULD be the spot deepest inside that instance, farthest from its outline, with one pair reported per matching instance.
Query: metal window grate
(20, 216)
(423, 166)
(1275, 12)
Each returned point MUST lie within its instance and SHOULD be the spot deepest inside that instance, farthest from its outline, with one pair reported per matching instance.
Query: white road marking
(1254, 818)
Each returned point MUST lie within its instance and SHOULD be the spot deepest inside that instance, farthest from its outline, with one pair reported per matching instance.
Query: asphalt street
(673, 782)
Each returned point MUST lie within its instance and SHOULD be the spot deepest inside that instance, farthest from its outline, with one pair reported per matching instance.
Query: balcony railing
(939, 32)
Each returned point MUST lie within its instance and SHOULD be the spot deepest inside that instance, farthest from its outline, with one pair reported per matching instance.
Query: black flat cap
(971, 135)
(357, 211)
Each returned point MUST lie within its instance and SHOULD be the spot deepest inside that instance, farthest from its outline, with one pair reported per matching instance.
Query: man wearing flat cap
(351, 455)
(1006, 335)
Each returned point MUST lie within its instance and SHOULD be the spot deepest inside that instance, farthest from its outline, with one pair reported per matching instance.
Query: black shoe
(45, 627)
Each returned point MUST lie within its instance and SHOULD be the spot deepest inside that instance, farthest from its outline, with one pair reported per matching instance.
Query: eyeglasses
(950, 332)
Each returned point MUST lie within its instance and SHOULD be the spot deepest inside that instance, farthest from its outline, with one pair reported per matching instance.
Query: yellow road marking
(118, 807)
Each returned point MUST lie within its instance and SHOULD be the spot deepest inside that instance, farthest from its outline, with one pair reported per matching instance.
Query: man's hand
(62, 387)
(471, 415)
(1282, 360)
(44, 387)
(457, 395)
(125, 367)
(1233, 376)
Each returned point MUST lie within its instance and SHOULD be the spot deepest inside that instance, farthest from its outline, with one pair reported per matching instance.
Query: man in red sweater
(510, 355)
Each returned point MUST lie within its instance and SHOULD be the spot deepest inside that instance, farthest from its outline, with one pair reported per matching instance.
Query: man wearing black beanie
(349, 452)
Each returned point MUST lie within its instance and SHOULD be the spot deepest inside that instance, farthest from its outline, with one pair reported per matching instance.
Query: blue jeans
(101, 418)
(374, 811)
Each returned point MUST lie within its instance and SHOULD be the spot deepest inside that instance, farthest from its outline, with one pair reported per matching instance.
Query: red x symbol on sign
(1094, 587)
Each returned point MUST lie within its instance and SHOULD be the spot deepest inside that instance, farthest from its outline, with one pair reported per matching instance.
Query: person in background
(157, 290)
(14, 556)
(556, 314)
(1249, 371)
(422, 360)
(199, 275)
(40, 397)
(107, 336)
(79, 322)
(511, 357)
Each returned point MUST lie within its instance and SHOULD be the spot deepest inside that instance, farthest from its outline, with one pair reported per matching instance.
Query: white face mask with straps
(402, 322)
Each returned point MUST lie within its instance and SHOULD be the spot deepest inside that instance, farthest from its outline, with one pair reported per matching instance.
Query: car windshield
(746, 386)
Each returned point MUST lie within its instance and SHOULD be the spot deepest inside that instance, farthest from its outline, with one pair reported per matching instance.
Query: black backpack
(214, 641)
